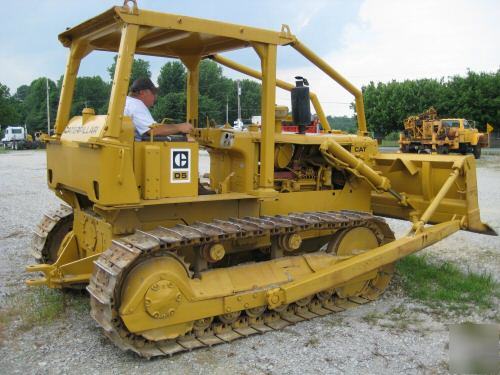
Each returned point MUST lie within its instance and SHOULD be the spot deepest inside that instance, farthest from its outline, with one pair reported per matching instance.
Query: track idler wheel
(156, 283)
(50, 233)
(352, 242)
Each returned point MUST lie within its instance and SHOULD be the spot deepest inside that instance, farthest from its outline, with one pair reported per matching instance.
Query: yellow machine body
(286, 229)
(427, 133)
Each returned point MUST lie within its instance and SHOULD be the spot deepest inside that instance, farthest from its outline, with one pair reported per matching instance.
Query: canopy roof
(170, 35)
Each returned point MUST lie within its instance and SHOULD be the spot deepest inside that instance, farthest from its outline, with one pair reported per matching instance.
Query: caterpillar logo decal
(358, 149)
(180, 161)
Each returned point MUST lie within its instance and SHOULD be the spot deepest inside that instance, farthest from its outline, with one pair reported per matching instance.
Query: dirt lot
(392, 335)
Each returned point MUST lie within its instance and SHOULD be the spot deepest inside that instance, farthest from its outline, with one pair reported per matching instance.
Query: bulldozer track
(115, 263)
(43, 234)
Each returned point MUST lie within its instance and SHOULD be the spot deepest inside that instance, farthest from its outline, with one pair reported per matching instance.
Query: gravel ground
(391, 335)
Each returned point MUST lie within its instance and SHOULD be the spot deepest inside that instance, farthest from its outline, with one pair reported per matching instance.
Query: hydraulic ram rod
(336, 150)
(333, 149)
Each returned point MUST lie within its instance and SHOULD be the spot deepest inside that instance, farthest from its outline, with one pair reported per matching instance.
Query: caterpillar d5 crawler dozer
(289, 230)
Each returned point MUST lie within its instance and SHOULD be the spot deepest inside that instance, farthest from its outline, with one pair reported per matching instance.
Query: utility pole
(239, 103)
(227, 110)
(48, 106)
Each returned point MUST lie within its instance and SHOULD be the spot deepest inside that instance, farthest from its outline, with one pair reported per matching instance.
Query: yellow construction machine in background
(287, 230)
(426, 133)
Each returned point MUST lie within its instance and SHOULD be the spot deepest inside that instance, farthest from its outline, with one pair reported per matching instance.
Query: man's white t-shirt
(140, 115)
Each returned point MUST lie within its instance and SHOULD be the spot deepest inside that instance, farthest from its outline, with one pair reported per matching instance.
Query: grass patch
(398, 317)
(445, 283)
(3, 150)
(372, 317)
(40, 305)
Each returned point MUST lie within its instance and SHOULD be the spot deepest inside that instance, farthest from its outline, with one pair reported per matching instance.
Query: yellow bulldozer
(292, 226)
(426, 133)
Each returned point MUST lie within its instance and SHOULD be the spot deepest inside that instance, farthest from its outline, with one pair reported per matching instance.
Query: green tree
(21, 92)
(208, 109)
(171, 105)
(250, 99)
(388, 104)
(90, 92)
(215, 91)
(475, 96)
(172, 78)
(140, 68)
(212, 82)
(345, 123)
(217, 88)
(9, 107)
(35, 104)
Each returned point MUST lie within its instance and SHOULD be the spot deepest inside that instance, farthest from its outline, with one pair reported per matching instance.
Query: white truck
(18, 138)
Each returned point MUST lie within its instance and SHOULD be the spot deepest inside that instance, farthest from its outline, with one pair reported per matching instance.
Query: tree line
(475, 96)
(28, 105)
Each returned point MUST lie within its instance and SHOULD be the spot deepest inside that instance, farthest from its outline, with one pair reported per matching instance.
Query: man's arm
(169, 129)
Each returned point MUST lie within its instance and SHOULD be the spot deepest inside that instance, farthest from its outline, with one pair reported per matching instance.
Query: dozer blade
(421, 177)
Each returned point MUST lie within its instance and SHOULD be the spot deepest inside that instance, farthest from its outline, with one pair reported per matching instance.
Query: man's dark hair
(142, 83)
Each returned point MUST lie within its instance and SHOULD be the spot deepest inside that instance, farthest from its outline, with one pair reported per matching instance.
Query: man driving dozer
(141, 96)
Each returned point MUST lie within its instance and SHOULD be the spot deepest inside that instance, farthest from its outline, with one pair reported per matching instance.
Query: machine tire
(476, 151)
(412, 148)
(424, 151)
(463, 148)
(443, 150)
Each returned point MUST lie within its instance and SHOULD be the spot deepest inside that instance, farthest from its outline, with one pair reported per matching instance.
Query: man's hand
(170, 129)
(185, 128)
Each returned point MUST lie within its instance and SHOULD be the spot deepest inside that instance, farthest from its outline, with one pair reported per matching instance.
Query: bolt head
(217, 252)
(294, 241)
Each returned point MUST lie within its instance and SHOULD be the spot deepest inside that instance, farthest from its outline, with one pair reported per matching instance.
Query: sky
(364, 40)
